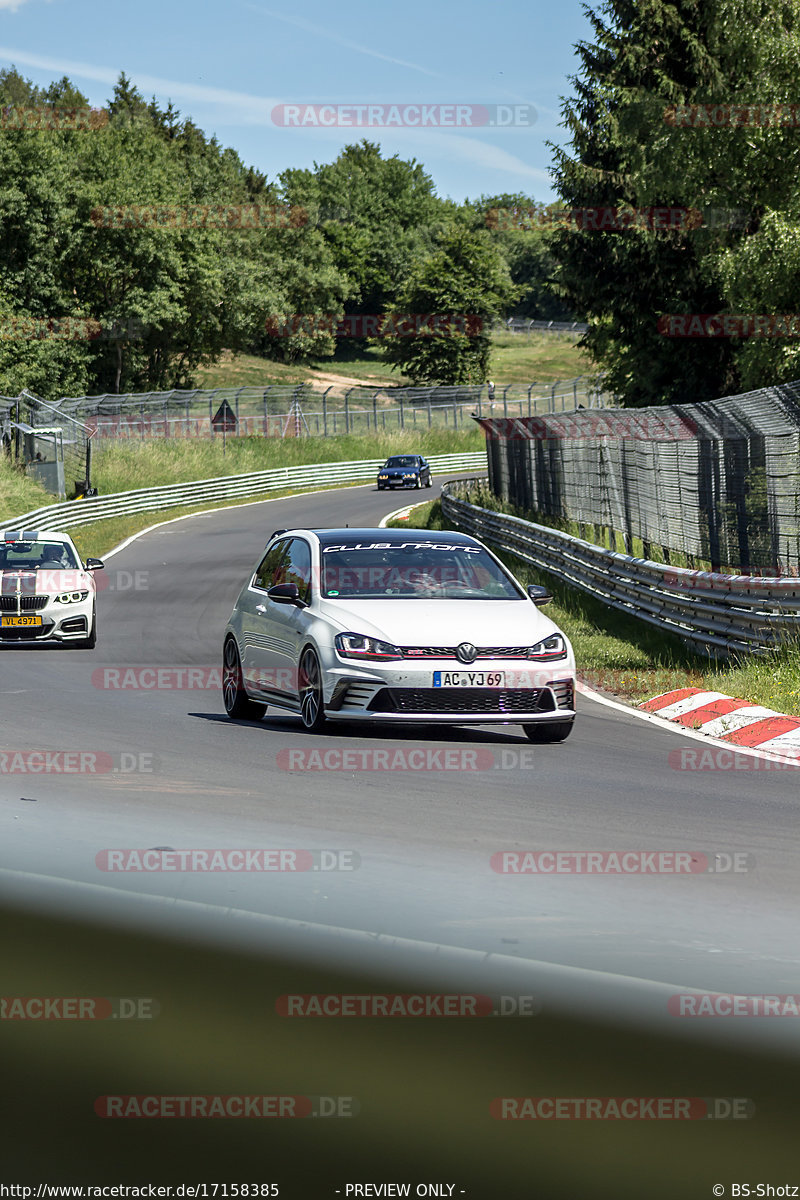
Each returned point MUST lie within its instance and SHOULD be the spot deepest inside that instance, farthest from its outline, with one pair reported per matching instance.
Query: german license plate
(26, 621)
(487, 679)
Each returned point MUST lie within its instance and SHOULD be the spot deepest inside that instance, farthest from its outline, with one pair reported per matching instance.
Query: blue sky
(228, 66)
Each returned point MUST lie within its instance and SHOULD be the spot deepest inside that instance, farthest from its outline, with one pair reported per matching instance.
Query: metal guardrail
(226, 487)
(523, 325)
(719, 615)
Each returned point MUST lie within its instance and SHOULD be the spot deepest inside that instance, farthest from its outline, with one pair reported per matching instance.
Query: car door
(282, 626)
(254, 608)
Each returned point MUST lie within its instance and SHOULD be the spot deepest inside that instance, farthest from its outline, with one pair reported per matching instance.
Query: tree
(523, 234)
(465, 279)
(648, 55)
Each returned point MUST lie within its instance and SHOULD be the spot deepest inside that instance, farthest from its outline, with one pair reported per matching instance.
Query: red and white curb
(736, 722)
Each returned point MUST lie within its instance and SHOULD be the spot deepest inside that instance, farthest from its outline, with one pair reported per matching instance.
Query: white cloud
(12, 5)
(308, 27)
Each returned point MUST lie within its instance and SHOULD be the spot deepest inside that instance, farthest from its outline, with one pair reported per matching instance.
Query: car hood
(397, 470)
(66, 579)
(442, 622)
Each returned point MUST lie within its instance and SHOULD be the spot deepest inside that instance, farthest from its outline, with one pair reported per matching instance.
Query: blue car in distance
(404, 470)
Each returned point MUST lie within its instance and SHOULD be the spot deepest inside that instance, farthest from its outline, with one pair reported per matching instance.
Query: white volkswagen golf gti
(46, 593)
(395, 625)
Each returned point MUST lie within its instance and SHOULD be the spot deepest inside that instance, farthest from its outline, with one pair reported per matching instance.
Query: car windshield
(401, 460)
(38, 555)
(414, 571)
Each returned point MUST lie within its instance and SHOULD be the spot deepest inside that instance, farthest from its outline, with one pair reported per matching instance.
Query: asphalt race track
(173, 771)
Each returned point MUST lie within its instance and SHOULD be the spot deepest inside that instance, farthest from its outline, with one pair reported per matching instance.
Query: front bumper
(536, 693)
(60, 623)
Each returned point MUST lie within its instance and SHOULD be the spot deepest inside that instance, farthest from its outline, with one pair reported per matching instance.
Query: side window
(271, 567)
(297, 567)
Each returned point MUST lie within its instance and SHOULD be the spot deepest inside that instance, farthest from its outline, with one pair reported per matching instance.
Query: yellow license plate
(26, 621)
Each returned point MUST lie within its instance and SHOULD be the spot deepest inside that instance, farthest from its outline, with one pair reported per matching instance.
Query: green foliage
(467, 278)
(522, 233)
(644, 57)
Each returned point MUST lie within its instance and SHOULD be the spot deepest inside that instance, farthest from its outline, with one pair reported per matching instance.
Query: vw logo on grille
(466, 652)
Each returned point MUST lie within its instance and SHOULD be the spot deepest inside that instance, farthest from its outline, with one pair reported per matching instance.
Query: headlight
(70, 597)
(551, 648)
(356, 645)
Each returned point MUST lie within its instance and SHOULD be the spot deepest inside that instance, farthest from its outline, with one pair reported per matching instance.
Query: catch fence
(717, 481)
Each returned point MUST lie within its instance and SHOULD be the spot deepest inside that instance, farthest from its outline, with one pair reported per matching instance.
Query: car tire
(237, 702)
(380, 487)
(312, 712)
(548, 731)
(89, 642)
(429, 483)
(418, 483)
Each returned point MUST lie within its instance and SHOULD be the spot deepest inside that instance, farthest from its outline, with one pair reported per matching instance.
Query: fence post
(375, 411)
(430, 418)
(325, 411)
(402, 414)
(505, 401)
(347, 410)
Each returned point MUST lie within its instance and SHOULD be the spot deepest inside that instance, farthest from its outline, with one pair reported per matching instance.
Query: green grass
(632, 660)
(18, 493)
(525, 358)
(519, 359)
(121, 466)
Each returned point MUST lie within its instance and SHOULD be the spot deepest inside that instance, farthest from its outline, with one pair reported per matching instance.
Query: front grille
(26, 603)
(450, 651)
(462, 700)
(24, 635)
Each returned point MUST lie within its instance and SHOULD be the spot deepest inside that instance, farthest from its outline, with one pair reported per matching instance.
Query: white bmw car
(395, 625)
(46, 593)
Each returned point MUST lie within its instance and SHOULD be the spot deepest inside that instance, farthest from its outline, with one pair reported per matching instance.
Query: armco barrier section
(716, 614)
(227, 487)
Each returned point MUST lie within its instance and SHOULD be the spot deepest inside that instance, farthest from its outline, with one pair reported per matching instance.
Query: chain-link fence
(717, 481)
(299, 410)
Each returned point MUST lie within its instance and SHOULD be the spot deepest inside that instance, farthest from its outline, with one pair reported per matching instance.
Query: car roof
(34, 535)
(391, 537)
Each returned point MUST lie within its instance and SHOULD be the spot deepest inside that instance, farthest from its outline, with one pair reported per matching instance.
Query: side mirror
(94, 564)
(286, 593)
(538, 594)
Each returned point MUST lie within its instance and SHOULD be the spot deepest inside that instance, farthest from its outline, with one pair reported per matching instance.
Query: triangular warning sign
(224, 417)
